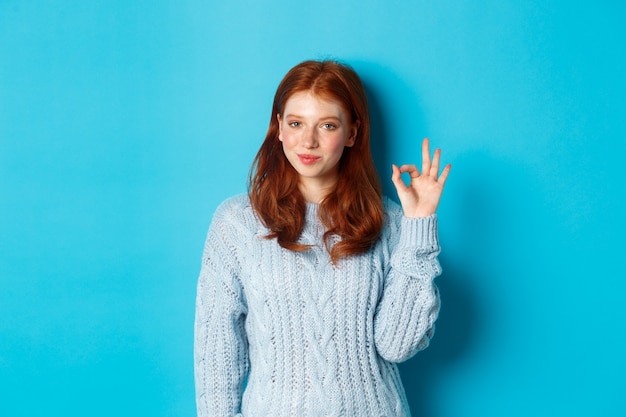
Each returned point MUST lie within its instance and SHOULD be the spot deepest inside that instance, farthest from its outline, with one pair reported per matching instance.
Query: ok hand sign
(421, 197)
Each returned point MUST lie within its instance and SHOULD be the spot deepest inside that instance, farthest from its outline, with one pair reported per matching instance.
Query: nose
(310, 138)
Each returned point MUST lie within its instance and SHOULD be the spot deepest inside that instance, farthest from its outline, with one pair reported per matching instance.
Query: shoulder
(233, 206)
(393, 215)
(235, 212)
(393, 210)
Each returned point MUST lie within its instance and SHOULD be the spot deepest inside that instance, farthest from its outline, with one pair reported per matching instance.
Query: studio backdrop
(123, 124)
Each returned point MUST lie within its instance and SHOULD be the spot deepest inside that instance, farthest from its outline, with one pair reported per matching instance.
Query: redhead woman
(313, 285)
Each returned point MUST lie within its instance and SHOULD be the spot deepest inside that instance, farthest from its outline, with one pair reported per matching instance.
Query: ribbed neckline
(312, 209)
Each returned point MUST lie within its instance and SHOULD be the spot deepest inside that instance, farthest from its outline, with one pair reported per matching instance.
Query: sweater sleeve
(409, 305)
(220, 345)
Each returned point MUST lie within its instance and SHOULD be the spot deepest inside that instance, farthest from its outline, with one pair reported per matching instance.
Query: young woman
(313, 285)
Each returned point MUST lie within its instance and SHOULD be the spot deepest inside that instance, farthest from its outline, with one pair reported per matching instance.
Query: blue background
(123, 125)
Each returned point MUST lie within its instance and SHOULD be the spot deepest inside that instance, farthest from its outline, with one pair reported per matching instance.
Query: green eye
(329, 126)
(294, 124)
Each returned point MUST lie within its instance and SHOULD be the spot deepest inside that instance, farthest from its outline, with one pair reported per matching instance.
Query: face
(314, 133)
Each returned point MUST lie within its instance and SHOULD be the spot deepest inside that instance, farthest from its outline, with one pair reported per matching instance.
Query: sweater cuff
(419, 232)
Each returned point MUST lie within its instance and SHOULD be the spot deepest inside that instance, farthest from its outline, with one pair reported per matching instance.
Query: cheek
(289, 140)
(336, 145)
(286, 142)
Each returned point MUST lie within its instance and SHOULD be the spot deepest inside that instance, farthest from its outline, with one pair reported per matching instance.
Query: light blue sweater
(281, 333)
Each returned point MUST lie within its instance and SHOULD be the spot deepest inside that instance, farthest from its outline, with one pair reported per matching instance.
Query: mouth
(308, 159)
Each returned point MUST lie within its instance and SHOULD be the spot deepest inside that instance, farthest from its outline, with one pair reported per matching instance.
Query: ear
(280, 127)
(353, 131)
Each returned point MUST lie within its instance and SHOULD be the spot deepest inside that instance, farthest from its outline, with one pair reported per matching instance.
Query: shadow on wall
(492, 227)
(456, 328)
(391, 104)
(487, 252)
(377, 138)
(457, 325)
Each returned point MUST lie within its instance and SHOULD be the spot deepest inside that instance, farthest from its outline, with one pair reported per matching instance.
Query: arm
(220, 345)
(409, 306)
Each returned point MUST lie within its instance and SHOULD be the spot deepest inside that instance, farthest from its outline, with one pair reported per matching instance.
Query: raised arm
(409, 306)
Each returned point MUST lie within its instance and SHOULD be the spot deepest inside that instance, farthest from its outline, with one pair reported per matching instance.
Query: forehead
(308, 102)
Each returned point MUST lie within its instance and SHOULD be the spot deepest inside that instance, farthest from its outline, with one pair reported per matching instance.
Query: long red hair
(353, 210)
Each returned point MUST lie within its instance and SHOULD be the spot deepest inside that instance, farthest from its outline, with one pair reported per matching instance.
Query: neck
(315, 193)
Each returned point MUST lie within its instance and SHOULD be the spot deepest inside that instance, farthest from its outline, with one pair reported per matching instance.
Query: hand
(421, 197)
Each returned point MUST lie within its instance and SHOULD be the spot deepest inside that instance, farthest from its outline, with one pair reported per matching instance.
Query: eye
(329, 126)
(295, 124)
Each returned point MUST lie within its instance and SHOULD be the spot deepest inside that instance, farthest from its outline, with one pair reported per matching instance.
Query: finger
(425, 157)
(410, 169)
(396, 179)
(444, 175)
(434, 168)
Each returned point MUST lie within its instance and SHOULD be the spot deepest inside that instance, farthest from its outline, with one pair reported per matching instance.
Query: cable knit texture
(281, 333)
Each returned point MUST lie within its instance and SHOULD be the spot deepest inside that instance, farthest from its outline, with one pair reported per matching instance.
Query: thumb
(396, 178)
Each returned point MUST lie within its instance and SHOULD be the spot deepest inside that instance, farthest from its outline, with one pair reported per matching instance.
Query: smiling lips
(308, 159)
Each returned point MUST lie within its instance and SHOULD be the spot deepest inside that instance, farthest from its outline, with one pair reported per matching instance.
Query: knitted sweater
(284, 333)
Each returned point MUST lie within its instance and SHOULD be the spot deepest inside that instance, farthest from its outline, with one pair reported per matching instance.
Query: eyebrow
(295, 116)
